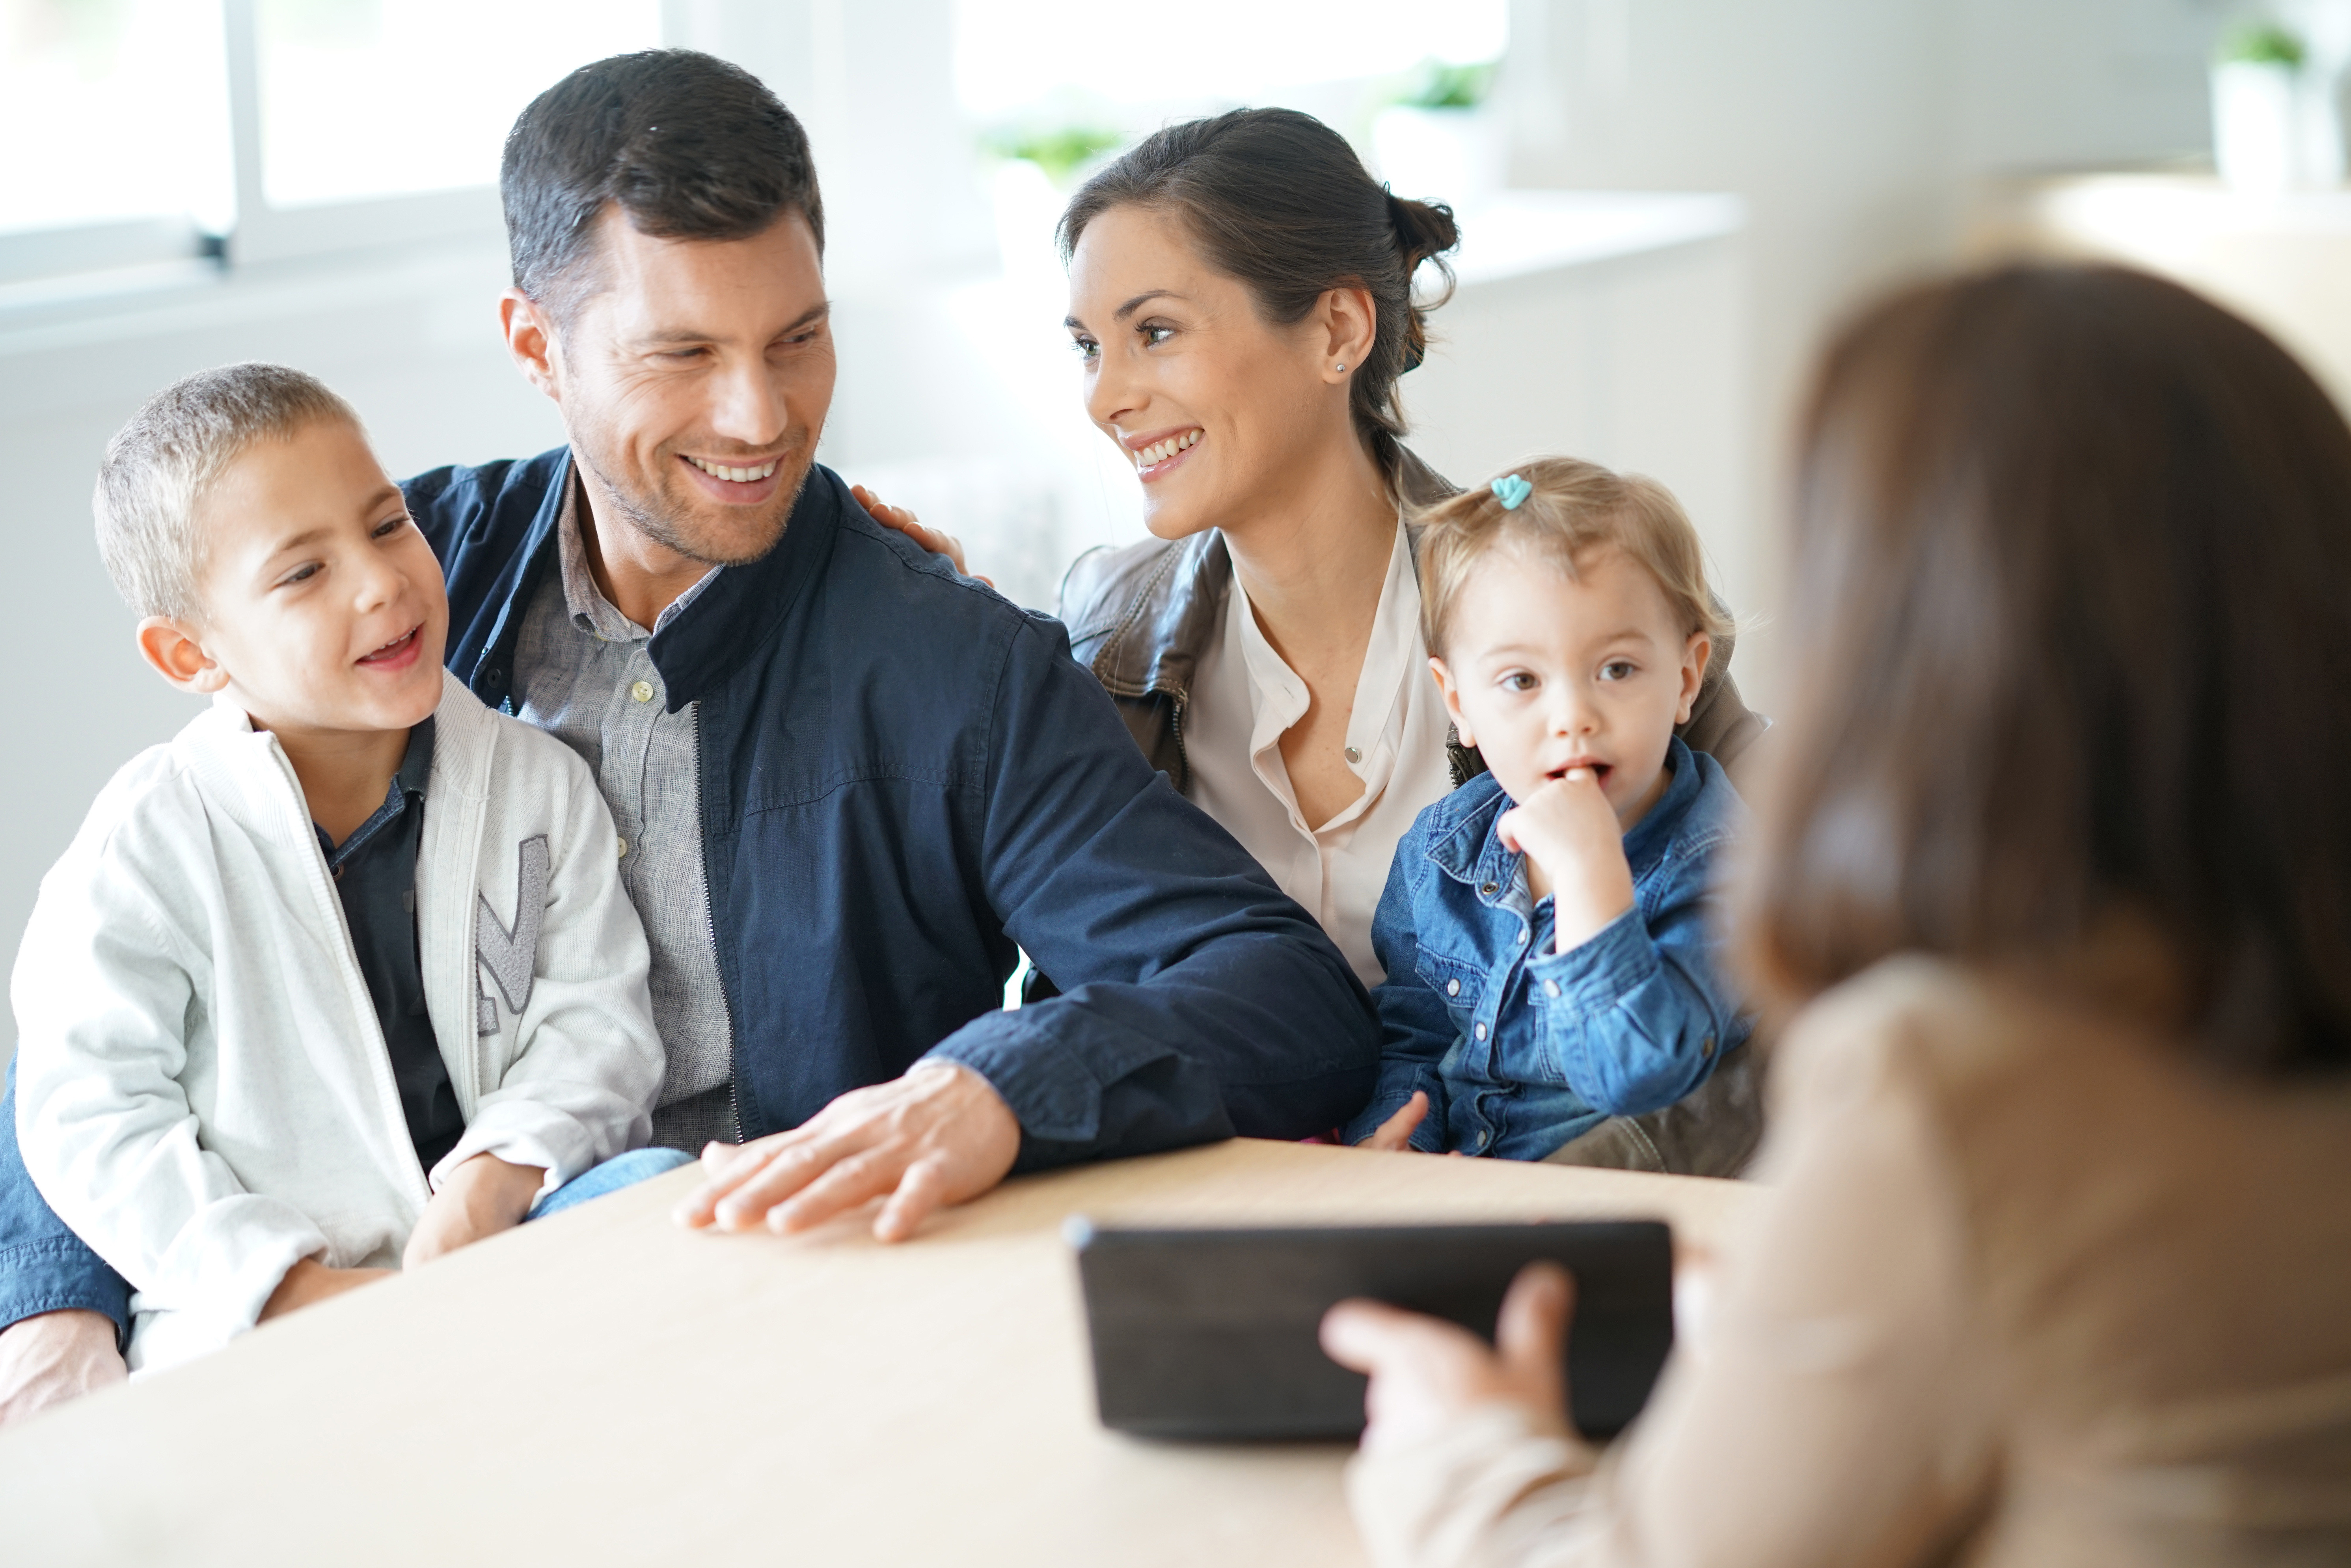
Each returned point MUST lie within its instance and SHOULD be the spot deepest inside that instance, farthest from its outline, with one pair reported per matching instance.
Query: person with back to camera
(1548, 931)
(2052, 1265)
(1242, 301)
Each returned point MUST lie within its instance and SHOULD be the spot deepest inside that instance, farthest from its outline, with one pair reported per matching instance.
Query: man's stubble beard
(645, 514)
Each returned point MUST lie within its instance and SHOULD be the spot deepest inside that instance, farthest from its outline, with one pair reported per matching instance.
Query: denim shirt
(1520, 1049)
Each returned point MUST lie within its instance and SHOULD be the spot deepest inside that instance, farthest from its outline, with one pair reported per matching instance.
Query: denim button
(1452, 987)
(1483, 1138)
(1707, 1049)
(1550, 988)
(1481, 1031)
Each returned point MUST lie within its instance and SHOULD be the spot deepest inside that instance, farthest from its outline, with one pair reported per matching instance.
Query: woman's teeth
(737, 475)
(1160, 451)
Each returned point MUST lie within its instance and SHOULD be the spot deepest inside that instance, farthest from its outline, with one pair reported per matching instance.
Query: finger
(1506, 828)
(1531, 1332)
(726, 1167)
(791, 1170)
(922, 1192)
(1396, 1133)
(846, 1184)
(1361, 1335)
(987, 582)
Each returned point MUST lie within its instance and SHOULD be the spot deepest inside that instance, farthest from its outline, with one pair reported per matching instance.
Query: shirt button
(1481, 1031)
(1452, 987)
(624, 849)
(642, 691)
(1550, 988)
(1354, 754)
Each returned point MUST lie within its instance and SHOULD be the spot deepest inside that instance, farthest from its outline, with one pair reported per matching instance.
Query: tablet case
(1212, 1334)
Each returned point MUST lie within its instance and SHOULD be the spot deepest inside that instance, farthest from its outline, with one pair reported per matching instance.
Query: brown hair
(690, 146)
(2071, 609)
(1572, 506)
(1278, 199)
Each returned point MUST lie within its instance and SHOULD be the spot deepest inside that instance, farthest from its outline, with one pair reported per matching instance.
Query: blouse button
(1354, 755)
(1452, 987)
(1481, 1031)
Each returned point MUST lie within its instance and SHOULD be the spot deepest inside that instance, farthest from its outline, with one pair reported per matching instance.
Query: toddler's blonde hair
(1571, 508)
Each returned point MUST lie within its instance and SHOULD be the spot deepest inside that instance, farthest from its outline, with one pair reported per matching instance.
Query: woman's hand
(1426, 1372)
(906, 523)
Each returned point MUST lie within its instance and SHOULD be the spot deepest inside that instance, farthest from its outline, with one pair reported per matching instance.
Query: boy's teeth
(739, 475)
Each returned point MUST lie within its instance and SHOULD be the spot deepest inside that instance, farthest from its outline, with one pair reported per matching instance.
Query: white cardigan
(204, 1092)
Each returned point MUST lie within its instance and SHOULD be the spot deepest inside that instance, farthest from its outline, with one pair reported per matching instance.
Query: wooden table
(606, 1388)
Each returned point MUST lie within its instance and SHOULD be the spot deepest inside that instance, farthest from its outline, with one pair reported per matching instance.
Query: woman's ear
(1695, 655)
(170, 646)
(1452, 701)
(1350, 322)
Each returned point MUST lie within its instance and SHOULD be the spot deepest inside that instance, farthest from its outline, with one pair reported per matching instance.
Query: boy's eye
(391, 526)
(302, 573)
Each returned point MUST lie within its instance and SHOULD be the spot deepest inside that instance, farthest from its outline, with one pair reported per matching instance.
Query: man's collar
(590, 609)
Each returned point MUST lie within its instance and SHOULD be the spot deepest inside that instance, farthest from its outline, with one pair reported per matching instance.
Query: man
(847, 781)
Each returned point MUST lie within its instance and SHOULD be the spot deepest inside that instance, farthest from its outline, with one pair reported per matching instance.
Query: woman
(2056, 1265)
(1241, 296)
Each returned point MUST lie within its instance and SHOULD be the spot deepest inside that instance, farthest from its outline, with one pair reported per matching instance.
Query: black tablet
(1213, 1333)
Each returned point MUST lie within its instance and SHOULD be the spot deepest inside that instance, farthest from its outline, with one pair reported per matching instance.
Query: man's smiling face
(694, 376)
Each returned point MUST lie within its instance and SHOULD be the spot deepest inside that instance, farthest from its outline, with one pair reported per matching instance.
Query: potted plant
(2258, 108)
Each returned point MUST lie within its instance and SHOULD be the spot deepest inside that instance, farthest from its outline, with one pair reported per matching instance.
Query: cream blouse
(1244, 697)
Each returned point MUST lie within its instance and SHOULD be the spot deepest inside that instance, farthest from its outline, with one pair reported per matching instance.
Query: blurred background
(1665, 204)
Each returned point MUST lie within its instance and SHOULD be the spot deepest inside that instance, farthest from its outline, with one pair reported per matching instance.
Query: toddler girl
(1545, 930)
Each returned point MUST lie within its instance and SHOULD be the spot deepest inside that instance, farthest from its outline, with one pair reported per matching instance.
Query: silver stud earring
(1343, 367)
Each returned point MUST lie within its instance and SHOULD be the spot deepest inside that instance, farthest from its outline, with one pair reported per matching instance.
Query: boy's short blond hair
(1571, 507)
(159, 466)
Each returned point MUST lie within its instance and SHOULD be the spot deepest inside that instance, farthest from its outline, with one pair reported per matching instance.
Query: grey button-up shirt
(584, 673)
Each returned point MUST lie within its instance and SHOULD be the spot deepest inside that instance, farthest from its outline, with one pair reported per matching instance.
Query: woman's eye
(1085, 347)
(1154, 334)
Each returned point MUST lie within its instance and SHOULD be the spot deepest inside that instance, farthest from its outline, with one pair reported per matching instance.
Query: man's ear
(530, 340)
(170, 646)
(1695, 655)
(1452, 701)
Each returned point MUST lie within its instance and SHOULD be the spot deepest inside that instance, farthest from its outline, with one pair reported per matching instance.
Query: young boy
(1545, 927)
(343, 976)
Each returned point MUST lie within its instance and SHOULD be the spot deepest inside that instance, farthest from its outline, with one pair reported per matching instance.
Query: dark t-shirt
(375, 874)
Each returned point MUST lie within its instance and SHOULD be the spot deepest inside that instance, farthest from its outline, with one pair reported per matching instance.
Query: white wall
(1852, 129)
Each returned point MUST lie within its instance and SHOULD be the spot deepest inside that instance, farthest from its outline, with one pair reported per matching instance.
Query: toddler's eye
(1519, 681)
(1616, 670)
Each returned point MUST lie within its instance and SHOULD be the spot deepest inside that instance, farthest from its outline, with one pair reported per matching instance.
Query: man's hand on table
(939, 1135)
(51, 1357)
(481, 1198)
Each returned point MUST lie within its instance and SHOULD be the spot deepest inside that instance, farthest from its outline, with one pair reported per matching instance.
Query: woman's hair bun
(1425, 231)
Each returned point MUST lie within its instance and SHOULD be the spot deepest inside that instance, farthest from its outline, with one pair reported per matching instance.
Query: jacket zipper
(710, 940)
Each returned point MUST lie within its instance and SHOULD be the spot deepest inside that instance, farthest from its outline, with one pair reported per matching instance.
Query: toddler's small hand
(1396, 1133)
(1568, 829)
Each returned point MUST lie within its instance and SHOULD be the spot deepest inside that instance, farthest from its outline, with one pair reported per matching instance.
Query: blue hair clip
(1510, 489)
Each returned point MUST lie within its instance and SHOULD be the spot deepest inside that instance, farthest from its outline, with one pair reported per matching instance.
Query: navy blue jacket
(904, 776)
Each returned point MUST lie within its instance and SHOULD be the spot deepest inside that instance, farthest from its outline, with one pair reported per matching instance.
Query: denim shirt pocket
(1459, 982)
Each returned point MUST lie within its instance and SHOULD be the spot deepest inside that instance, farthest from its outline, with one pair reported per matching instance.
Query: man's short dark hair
(690, 147)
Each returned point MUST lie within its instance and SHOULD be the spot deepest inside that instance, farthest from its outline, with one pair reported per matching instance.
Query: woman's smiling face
(1213, 404)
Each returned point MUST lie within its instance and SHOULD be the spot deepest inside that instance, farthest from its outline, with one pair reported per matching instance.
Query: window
(265, 129)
